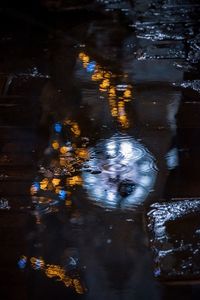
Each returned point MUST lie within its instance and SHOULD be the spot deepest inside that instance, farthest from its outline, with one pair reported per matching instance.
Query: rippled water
(112, 149)
(115, 193)
(120, 173)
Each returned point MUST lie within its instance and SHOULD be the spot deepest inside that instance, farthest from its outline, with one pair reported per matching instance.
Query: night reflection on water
(69, 161)
(118, 94)
(120, 173)
(116, 173)
(55, 272)
(59, 171)
(112, 103)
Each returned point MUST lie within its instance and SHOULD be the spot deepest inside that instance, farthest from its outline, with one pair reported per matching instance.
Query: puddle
(114, 135)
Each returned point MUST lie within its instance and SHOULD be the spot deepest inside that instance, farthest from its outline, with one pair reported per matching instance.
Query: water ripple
(126, 175)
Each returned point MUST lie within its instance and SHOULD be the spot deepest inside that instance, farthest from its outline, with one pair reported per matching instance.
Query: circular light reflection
(127, 173)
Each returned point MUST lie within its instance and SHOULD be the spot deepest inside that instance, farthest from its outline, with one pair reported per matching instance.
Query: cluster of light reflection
(118, 95)
(117, 172)
(122, 173)
(53, 271)
(56, 181)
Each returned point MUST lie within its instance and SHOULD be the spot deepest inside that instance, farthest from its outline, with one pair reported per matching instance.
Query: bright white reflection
(126, 149)
(111, 195)
(111, 146)
(172, 159)
(126, 173)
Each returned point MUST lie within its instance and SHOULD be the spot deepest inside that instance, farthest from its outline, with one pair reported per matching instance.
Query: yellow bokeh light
(55, 181)
(117, 110)
(107, 75)
(75, 180)
(97, 76)
(81, 55)
(78, 286)
(55, 271)
(44, 183)
(127, 93)
(112, 92)
(75, 129)
(104, 85)
(63, 149)
(121, 104)
(55, 145)
(86, 59)
(114, 112)
(124, 121)
(82, 153)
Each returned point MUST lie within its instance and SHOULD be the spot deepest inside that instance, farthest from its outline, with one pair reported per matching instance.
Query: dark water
(100, 194)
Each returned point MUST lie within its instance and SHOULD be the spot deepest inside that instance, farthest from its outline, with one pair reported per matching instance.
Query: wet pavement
(99, 129)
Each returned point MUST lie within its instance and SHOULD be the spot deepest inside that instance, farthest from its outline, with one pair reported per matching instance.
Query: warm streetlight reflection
(118, 95)
(53, 271)
(54, 184)
(75, 180)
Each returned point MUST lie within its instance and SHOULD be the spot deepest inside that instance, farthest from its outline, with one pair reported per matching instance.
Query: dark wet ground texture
(100, 150)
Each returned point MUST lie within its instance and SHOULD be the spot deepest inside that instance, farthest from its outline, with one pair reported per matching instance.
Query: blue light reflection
(62, 194)
(57, 127)
(36, 186)
(22, 263)
(91, 67)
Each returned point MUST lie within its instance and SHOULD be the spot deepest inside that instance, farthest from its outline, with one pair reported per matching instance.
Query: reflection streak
(53, 271)
(118, 95)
